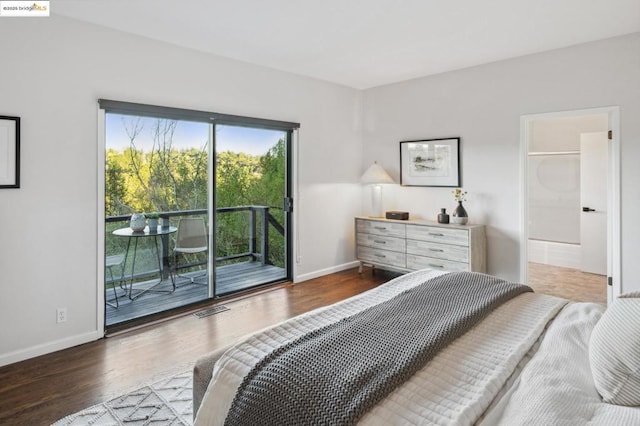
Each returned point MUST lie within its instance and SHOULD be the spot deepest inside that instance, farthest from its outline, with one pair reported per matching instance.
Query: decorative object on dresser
(443, 217)
(460, 215)
(415, 244)
(397, 215)
(430, 162)
(376, 176)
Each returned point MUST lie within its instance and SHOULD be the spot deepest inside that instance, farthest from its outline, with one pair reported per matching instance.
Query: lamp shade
(375, 174)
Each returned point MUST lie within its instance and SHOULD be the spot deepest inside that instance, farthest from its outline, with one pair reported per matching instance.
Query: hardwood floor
(568, 283)
(42, 390)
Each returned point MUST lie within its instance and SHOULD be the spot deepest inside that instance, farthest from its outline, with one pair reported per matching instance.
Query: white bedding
(556, 386)
(464, 380)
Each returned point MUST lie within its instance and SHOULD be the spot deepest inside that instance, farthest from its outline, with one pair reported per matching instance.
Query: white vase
(137, 222)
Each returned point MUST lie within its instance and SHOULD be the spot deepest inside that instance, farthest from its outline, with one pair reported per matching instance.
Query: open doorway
(570, 225)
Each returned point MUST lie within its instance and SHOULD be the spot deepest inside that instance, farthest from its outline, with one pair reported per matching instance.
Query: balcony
(248, 254)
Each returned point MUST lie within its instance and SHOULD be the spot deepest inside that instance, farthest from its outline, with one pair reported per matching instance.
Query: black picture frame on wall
(430, 162)
(9, 152)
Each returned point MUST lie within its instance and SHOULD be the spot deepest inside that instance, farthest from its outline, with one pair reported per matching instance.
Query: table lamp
(376, 176)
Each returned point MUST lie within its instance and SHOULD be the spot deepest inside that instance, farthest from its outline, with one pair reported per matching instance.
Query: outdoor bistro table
(135, 236)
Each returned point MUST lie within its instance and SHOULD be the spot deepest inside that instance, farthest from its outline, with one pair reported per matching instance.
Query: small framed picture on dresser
(430, 162)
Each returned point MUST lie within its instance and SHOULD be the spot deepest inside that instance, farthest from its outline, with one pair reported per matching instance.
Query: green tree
(115, 182)
(269, 189)
(162, 179)
(168, 179)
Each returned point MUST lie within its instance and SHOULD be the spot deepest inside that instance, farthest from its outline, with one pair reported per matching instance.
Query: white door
(593, 197)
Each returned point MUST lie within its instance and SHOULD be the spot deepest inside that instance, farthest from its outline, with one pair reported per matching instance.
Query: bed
(521, 358)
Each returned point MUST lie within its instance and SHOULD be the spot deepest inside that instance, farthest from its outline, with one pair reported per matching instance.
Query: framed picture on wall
(430, 162)
(9, 152)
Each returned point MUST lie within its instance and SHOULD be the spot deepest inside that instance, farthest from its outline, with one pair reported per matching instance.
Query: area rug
(166, 402)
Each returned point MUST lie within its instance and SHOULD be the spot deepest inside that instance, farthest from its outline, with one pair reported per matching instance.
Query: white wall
(563, 134)
(53, 72)
(483, 106)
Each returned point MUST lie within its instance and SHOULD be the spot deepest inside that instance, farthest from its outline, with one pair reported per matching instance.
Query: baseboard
(557, 254)
(49, 347)
(326, 271)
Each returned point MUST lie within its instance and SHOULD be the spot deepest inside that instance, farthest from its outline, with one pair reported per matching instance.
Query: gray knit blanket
(335, 374)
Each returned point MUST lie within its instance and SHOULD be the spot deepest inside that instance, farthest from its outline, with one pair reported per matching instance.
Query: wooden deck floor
(229, 279)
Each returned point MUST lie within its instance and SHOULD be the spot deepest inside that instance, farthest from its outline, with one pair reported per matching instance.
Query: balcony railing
(252, 245)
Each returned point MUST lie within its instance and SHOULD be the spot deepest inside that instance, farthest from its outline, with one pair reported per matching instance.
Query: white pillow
(614, 352)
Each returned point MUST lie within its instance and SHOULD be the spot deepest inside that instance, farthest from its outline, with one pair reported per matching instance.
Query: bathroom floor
(568, 283)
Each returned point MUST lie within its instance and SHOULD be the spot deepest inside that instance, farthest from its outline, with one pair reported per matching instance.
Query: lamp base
(376, 201)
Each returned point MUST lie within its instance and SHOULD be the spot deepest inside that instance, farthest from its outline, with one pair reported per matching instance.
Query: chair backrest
(114, 260)
(192, 233)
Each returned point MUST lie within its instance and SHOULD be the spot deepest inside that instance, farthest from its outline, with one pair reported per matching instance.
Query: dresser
(409, 245)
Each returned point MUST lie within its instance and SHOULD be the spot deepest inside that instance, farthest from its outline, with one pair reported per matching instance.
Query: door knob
(588, 209)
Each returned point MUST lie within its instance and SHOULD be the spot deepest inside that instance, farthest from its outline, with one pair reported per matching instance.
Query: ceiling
(364, 43)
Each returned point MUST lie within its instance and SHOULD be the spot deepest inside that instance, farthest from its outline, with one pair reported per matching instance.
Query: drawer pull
(379, 241)
(436, 266)
(382, 228)
(435, 234)
(380, 255)
(438, 250)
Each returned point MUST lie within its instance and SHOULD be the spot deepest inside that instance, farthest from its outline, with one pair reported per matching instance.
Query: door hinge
(610, 134)
(288, 204)
(610, 281)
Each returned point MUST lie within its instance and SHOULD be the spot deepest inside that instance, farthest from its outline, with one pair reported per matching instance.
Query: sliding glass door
(252, 207)
(158, 171)
(197, 206)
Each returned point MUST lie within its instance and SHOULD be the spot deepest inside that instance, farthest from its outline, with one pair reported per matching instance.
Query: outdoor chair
(191, 239)
(111, 262)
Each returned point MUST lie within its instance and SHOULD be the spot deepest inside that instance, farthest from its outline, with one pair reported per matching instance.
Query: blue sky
(189, 134)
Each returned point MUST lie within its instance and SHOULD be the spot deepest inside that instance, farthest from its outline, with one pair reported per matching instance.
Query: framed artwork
(9, 152)
(430, 162)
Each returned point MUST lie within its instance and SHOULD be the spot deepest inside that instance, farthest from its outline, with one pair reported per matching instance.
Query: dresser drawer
(380, 228)
(438, 250)
(378, 256)
(436, 234)
(422, 262)
(381, 242)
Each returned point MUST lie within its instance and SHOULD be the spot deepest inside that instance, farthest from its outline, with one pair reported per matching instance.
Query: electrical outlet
(61, 315)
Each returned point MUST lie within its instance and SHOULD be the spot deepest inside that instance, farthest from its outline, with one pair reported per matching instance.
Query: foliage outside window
(166, 176)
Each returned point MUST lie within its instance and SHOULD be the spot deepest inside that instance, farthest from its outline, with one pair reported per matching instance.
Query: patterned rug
(167, 402)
